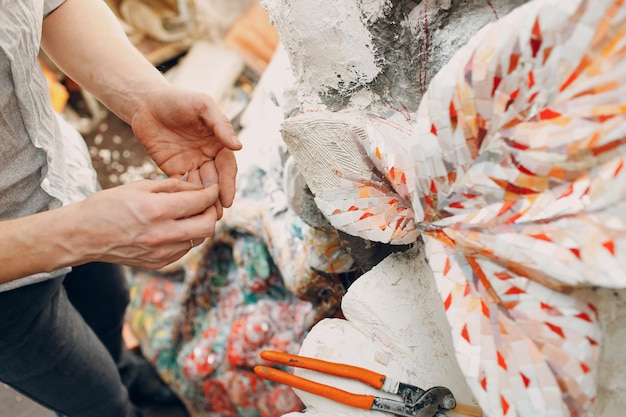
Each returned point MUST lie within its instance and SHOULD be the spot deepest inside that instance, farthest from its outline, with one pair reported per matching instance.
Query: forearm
(38, 243)
(147, 224)
(86, 41)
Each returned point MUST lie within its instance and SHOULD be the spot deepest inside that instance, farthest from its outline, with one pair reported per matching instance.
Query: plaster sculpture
(510, 168)
(376, 337)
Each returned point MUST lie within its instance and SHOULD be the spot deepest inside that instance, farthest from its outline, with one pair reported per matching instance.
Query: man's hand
(185, 132)
(148, 223)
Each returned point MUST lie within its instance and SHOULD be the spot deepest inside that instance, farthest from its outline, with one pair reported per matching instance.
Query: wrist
(39, 243)
(69, 243)
(133, 93)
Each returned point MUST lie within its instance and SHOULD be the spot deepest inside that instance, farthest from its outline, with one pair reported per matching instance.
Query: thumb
(169, 185)
(226, 135)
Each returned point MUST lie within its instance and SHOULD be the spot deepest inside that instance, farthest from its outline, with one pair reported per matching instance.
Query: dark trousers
(61, 344)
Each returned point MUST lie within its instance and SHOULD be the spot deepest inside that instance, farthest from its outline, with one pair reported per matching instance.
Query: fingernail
(184, 177)
(209, 182)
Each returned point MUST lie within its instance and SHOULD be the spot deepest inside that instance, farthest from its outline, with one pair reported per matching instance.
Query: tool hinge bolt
(448, 402)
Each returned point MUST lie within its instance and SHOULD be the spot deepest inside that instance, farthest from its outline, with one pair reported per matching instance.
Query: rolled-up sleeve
(50, 5)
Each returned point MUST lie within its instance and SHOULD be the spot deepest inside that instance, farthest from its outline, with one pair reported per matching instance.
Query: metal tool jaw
(417, 402)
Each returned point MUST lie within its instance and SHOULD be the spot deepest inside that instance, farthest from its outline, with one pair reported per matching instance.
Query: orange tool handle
(354, 400)
(370, 378)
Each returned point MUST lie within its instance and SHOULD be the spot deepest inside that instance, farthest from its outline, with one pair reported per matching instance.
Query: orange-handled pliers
(416, 402)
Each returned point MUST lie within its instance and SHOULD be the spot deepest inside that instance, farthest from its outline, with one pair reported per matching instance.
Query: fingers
(196, 242)
(164, 255)
(226, 166)
(222, 128)
(195, 177)
(186, 203)
(224, 131)
(208, 173)
(196, 227)
(176, 236)
(169, 185)
(221, 171)
(193, 208)
(147, 223)
(219, 209)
